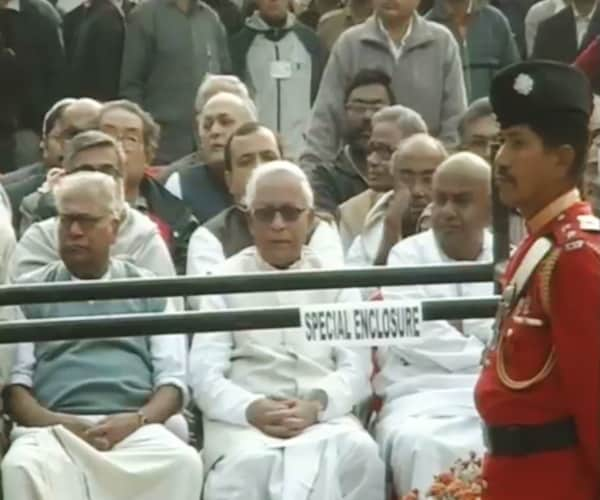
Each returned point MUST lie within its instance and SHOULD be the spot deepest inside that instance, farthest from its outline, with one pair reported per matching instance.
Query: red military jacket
(569, 323)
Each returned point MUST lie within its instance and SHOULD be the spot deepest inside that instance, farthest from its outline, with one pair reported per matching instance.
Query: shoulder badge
(589, 223)
(574, 245)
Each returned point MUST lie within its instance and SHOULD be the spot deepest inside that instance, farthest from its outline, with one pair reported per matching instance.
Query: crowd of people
(222, 137)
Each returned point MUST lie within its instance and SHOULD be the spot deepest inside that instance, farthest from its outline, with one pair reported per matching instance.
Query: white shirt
(363, 250)
(397, 49)
(285, 351)
(582, 23)
(443, 357)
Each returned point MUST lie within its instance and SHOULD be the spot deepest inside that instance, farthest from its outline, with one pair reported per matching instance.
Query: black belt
(520, 440)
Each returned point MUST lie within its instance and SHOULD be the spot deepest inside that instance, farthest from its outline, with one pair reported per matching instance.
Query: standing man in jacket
(94, 45)
(170, 46)
(281, 61)
(566, 34)
(422, 58)
(485, 39)
(34, 63)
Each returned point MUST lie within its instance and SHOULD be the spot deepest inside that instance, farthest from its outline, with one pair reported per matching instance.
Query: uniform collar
(553, 210)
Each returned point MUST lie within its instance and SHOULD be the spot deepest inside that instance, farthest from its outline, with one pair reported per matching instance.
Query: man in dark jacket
(65, 119)
(170, 46)
(229, 14)
(94, 36)
(485, 39)
(30, 30)
(281, 61)
(567, 33)
(335, 183)
(200, 180)
(138, 134)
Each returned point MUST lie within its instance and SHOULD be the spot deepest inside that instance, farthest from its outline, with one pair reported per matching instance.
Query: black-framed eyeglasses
(289, 213)
(86, 222)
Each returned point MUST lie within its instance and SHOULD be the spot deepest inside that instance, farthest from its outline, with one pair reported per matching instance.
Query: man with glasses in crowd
(229, 232)
(77, 117)
(138, 134)
(277, 409)
(96, 419)
(390, 126)
(345, 177)
(138, 239)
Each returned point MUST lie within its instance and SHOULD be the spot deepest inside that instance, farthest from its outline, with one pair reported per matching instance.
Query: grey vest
(99, 376)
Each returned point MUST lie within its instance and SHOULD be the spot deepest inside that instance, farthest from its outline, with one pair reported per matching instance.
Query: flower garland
(462, 482)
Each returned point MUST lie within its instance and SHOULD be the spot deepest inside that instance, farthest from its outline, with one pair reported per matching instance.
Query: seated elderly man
(428, 418)
(227, 233)
(390, 126)
(91, 414)
(138, 239)
(396, 214)
(200, 181)
(277, 409)
(138, 134)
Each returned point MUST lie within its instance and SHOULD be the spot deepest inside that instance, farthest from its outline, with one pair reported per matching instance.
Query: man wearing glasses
(390, 126)
(138, 239)
(97, 419)
(138, 134)
(229, 232)
(25, 186)
(277, 410)
(345, 177)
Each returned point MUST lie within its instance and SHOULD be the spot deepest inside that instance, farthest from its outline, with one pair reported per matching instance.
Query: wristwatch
(142, 419)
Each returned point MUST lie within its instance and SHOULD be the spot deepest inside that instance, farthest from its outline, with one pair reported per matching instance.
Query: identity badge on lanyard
(281, 70)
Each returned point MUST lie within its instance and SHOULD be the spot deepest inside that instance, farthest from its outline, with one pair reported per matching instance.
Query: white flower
(523, 84)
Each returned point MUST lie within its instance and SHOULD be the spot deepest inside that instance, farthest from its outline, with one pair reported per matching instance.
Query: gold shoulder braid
(546, 268)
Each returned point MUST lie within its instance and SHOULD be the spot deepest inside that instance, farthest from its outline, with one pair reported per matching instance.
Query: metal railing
(44, 330)
(76, 291)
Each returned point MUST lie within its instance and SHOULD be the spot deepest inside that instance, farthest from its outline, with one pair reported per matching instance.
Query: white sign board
(363, 323)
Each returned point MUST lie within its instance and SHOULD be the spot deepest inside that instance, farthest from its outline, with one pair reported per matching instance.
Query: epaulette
(572, 230)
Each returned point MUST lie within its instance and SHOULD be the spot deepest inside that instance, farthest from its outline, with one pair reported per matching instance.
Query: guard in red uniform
(539, 389)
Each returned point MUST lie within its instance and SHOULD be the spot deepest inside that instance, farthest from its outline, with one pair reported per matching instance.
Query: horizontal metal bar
(251, 282)
(44, 330)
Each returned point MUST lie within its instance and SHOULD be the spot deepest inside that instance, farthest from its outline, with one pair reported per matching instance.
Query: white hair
(245, 102)
(214, 84)
(278, 167)
(408, 121)
(104, 189)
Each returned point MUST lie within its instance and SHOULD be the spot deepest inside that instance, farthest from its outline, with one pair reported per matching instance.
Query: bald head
(82, 115)
(466, 168)
(413, 165)
(461, 205)
(221, 116)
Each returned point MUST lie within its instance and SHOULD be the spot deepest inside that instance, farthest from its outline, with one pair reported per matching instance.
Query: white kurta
(332, 460)
(428, 419)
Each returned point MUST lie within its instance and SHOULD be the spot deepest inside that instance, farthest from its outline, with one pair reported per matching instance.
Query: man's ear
(565, 160)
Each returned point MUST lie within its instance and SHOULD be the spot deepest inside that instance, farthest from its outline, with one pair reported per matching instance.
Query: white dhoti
(331, 461)
(423, 435)
(54, 464)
